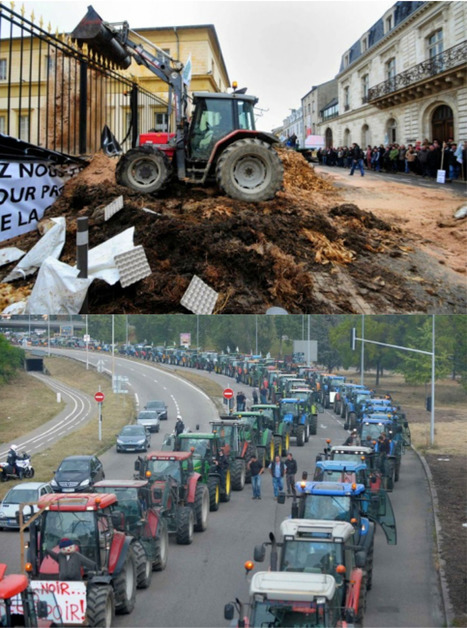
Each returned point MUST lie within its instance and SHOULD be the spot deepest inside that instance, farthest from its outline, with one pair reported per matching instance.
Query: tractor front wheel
(185, 525)
(214, 494)
(125, 585)
(100, 606)
(143, 567)
(314, 424)
(300, 436)
(226, 491)
(250, 170)
(201, 507)
(238, 475)
(145, 169)
(162, 547)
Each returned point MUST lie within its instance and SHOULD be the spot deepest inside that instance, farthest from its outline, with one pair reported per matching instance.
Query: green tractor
(279, 427)
(205, 448)
(259, 430)
(233, 439)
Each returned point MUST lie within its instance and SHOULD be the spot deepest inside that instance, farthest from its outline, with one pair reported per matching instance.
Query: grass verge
(117, 410)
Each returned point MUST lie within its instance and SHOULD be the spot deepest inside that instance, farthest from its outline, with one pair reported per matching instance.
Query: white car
(26, 492)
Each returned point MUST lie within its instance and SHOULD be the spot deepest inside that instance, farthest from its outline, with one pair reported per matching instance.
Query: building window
(391, 72)
(391, 131)
(435, 47)
(2, 124)
(2, 69)
(388, 24)
(364, 44)
(24, 127)
(365, 87)
(346, 98)
(346, 60)
(161, 121)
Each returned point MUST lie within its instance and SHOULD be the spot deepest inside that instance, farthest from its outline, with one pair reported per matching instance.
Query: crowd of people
(422, 158)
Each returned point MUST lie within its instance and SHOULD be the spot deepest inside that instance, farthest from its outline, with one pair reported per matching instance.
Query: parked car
(149, 419)
(77, 474)
(27, 492)
(160, 407)
(134, 438)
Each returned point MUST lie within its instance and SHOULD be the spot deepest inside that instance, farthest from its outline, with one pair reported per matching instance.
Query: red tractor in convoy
(177, 491)
(143, 521)
(78, 550)
(216, 141)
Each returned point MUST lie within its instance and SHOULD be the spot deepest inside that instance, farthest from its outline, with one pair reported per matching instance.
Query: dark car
(149, 419)
(133, 438)
(160, 407)
(77, 474)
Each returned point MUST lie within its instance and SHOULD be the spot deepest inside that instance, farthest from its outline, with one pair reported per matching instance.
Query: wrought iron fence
(58, 96)
(451, 58)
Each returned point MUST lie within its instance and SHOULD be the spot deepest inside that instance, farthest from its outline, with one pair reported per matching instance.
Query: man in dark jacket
(356, 155)
(290, 471)
(179, 426)
(256, 470)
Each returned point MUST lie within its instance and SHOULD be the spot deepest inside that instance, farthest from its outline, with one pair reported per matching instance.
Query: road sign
(228, 393)
(87, 338)
(99, 397)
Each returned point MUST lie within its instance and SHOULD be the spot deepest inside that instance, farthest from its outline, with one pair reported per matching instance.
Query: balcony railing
(447, 60)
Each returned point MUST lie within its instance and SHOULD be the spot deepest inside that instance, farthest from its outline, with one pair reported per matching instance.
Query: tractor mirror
(281, 498)
(229, 612)
(118, 520)
(259, 553)
(42, 609)
(197, 427)
(137, 465)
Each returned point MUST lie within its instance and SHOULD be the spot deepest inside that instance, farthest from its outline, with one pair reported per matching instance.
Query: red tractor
(143, 521)
(20, 605)
(217, 142)
(78, 550)
(177, 491)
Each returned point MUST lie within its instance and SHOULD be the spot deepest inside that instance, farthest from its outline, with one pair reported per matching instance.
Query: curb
(447, 610)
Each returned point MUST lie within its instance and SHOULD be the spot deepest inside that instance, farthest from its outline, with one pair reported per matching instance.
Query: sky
(277, 49)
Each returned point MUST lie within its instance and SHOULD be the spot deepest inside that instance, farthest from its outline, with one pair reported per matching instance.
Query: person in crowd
(410, 160)
(256, 470)
(353, 438)
(290, 471)
(241, 401)
(277, 469)
(179, 425)
(394, 158)
(401, 158)
(369, 153)
(254, 395)
(356, 154)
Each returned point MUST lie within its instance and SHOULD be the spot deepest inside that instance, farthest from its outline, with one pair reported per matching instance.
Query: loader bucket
(101, 39)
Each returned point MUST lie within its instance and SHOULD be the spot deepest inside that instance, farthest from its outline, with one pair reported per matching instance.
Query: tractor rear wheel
(214, 494)
(201, 507)
(352, 421)
(250, 170)
(145, 169)
(162, 547)
(100, 605)
(226, 492)
(238, 474)
(185, 525)
(278, 446)
(300, 436)
(286, 442)
(143, 567)
(125, 585)
(307, 432)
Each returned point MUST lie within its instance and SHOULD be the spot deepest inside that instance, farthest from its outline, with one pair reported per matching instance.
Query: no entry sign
(228, 393)
(99, 397)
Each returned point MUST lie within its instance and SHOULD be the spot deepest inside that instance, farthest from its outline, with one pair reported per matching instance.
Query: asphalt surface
(202, 577)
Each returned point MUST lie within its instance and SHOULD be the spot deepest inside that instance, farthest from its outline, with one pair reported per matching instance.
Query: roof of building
(402, 10)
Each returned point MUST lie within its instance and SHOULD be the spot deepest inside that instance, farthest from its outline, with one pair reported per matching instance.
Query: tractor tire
(286, 442)
(307, 433)
(227, 491)
(214, 494)
(272, 450)
(314, 424)
(397, 469)
(185, 525)
(250, 170)
(143, 567)
(100, 605)
(352, 421)
(337, 407)
(278, 446)
(125, 585)
(389, 470)
(300, 436)
(145, 169)
(201, 507)
(162, 547)
(238, 475)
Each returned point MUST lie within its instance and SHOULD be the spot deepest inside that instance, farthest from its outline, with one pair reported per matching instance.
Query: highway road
(201, 578)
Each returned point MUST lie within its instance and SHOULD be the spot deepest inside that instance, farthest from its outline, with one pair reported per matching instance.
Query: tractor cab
(215, 117)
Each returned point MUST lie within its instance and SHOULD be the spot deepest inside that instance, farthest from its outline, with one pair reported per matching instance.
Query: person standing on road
(290, 471)
(277, 468)
(254, 394)
(256, 470)
(264, 394)
(356, 155)
(241, 400)
(179, 426)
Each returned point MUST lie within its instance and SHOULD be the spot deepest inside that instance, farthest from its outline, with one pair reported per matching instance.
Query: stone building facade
(404, 80)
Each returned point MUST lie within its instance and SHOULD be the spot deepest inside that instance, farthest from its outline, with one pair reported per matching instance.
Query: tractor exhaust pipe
(101, 39)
